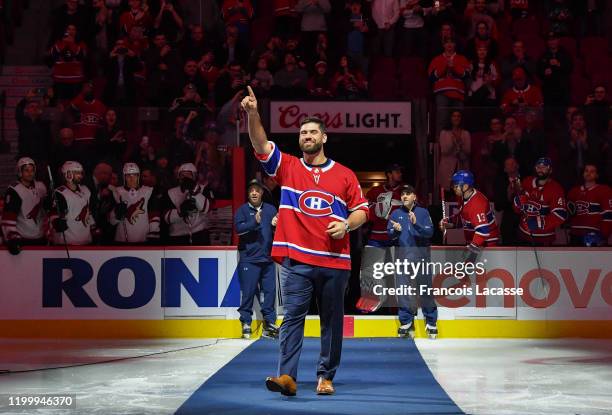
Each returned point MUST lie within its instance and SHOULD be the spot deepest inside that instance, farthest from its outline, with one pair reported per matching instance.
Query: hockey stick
(444, 215)
(54, 198)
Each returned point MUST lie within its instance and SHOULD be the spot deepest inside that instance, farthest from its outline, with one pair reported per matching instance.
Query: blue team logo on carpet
(316, 203)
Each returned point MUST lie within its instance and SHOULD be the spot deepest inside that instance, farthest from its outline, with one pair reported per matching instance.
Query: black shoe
(432, 331)
(270, 331)
(406, 330)
(246, 331)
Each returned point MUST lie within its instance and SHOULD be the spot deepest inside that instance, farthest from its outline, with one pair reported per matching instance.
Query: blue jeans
(299, 281)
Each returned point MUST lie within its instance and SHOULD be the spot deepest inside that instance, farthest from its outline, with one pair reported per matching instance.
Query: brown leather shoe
(325, 387)
(283, 384)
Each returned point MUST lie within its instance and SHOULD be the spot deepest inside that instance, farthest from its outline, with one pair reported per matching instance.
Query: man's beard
(314, 150)
(543, 176)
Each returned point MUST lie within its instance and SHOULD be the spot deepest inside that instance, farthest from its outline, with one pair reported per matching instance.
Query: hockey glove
(13, 246)
(59, 224)
(121, 210)
(187, 207)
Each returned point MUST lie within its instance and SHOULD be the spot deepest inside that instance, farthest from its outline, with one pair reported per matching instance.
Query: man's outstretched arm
(257, 134)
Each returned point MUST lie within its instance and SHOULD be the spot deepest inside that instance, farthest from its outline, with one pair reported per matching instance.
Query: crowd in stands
(158, 82)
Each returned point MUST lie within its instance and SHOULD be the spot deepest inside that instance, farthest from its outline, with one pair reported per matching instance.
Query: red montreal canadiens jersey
(311, 198)
(590, 209)
(92, 114)
(478, 220)
(544, 203)
(376, 197)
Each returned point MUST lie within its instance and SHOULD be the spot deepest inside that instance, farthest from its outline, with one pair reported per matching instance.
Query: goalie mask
(383, 205)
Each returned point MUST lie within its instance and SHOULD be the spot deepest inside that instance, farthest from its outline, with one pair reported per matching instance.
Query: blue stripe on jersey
(607, 215)
(595, 208)
(271, 164)
(483, 230)
(560, 212)
(291, 198)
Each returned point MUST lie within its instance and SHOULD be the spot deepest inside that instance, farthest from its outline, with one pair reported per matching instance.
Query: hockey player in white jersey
(71, 214)
(24, 209)
(186, 209)
(136, 213)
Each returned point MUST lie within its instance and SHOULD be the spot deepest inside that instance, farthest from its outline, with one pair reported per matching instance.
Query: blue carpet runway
(376, 376)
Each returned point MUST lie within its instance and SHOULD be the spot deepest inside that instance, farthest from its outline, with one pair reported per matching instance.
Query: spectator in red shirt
(67, 57)
(521, 97)
(90, 114)
(209, 72)
(138, 15)
(238, 13)
(448, 72)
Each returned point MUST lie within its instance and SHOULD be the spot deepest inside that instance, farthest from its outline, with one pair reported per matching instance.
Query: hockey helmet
(593, 239)
(546, 161)
(24, 161)
(131, 168)
(187, 167)
(462, 177)
(69, 168)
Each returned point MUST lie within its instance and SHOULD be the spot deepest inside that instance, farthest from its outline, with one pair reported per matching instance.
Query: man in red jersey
(541, 203)
(321, 202)
(475, 214)
(590, 208)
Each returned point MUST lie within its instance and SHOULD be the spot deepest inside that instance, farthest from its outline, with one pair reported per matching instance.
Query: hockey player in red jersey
(71, 217)
(321, 202)
(136, 213)
(383, 200)
(590, 208)
(23, 215)
(475, 214)
(541, 203)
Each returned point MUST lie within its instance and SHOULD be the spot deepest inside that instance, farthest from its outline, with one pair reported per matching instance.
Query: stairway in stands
(16, 81)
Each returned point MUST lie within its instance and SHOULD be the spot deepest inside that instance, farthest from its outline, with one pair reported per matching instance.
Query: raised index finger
(251, 93)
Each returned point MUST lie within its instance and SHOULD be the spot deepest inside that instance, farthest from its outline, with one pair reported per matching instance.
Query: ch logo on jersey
(581, 207)
(316, 203)
(532, 208)
(135, 210)
(90, 119)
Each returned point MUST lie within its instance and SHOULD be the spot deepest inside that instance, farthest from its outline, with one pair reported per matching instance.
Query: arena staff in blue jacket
(411, 229)
(255, 222)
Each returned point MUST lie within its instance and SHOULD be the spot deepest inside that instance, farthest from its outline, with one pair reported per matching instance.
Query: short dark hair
(315, 120)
